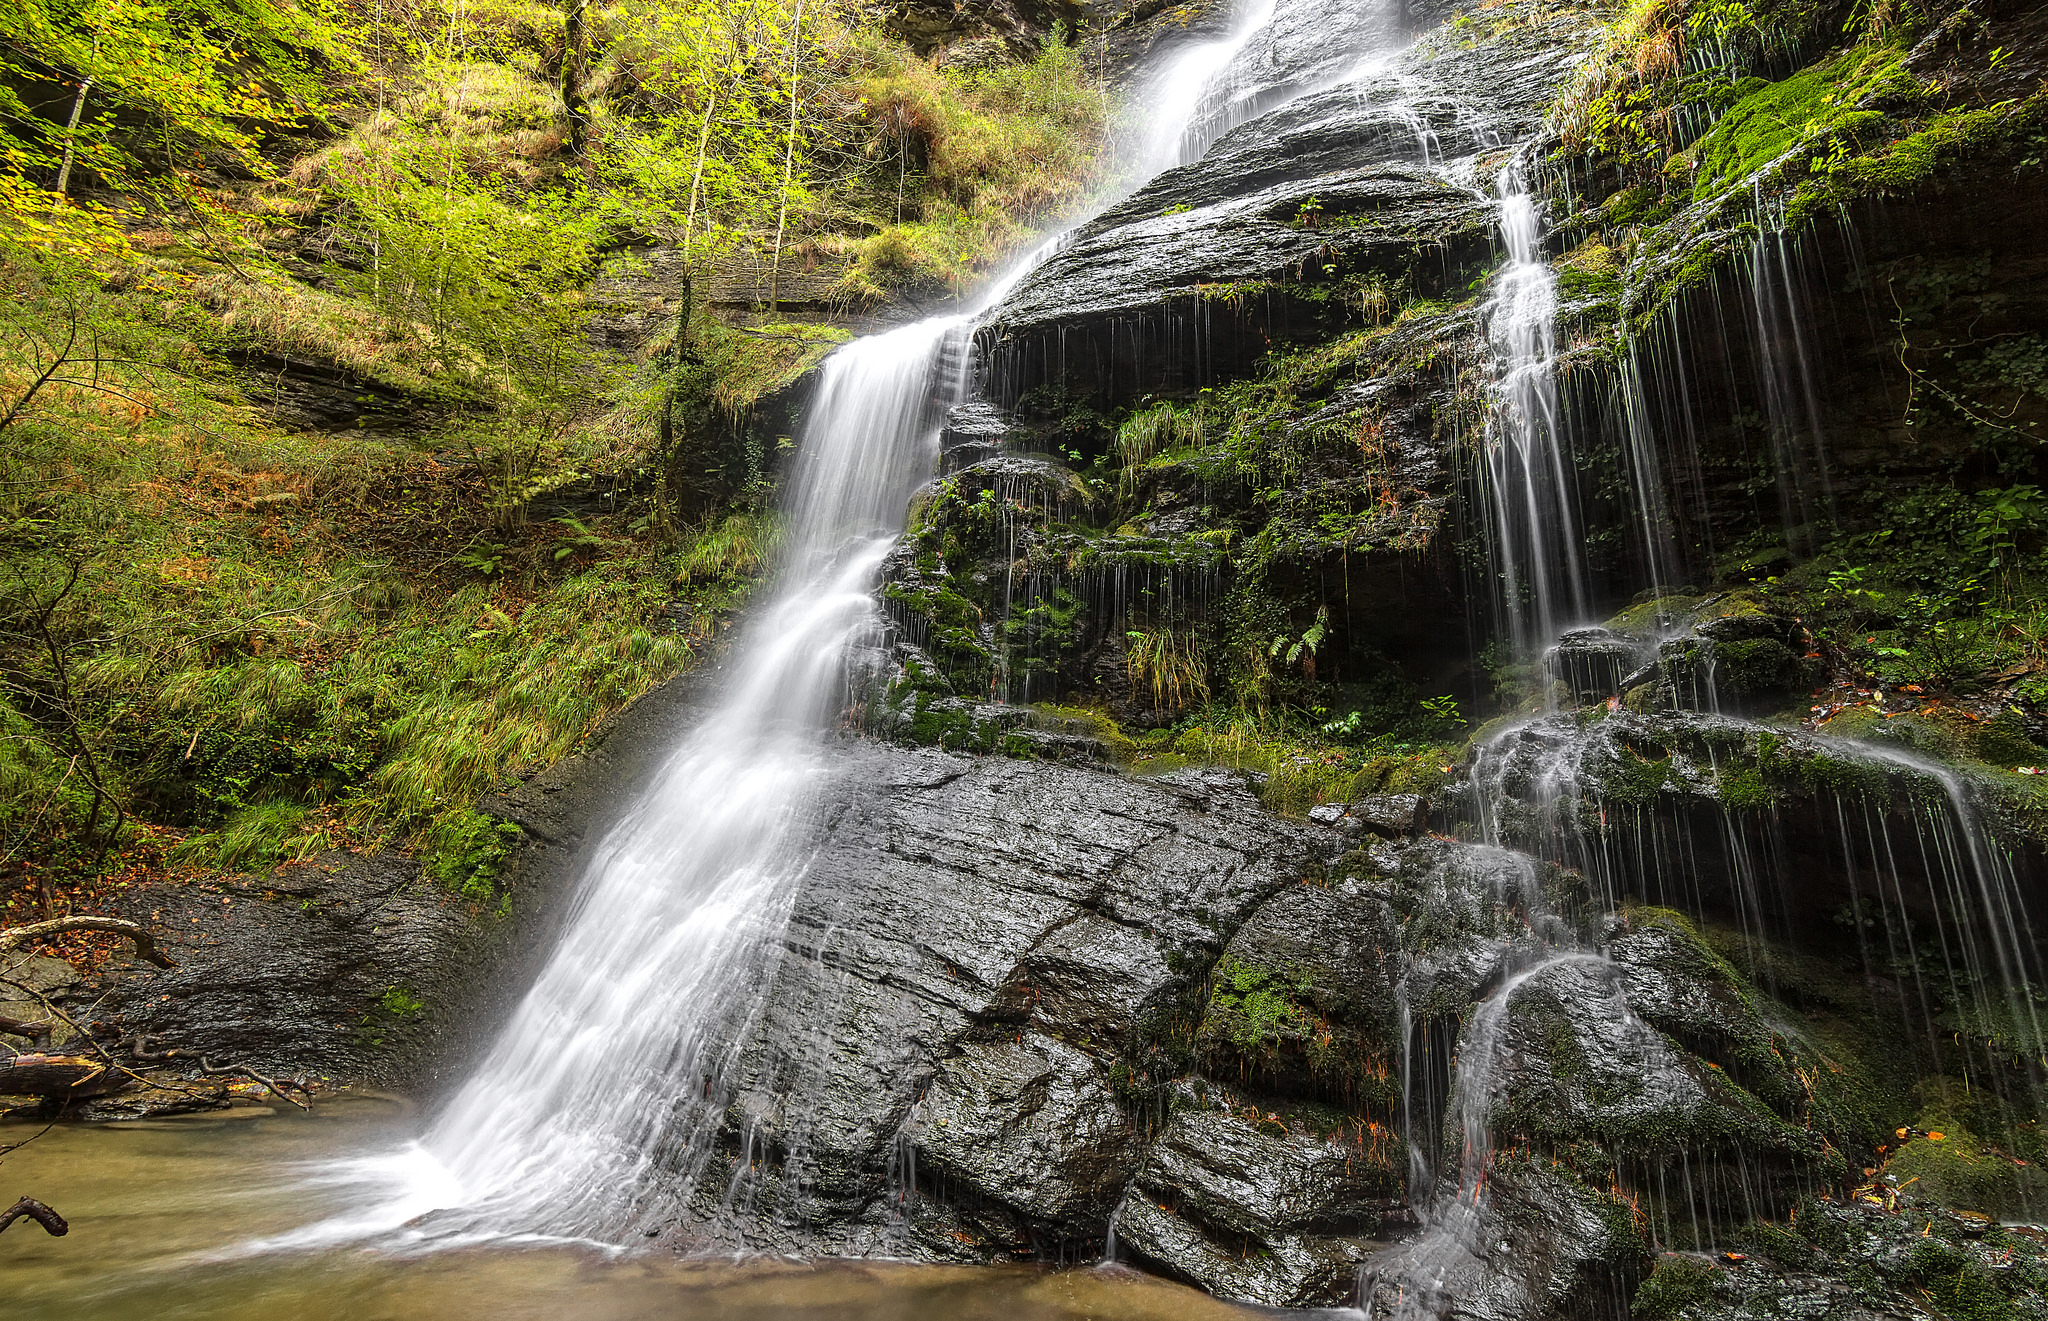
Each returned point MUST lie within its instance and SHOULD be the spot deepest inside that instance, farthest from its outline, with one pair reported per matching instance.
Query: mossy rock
(1962, 1172)
(1679, 1286)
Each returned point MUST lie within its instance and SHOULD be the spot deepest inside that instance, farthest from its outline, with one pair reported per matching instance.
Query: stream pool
(160, 1211)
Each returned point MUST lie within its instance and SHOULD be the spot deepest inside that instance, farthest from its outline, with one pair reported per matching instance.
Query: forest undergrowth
(250, 612)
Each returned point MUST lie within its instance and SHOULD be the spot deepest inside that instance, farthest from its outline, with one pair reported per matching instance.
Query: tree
(143, 97)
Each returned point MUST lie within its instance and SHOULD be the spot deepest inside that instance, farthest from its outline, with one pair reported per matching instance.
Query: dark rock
(1388, 815)
(1031, 1125)
(973, 432)
(1594, 662)
(291, 972)
(1304, 1001)
(307, 394)
(23, 981)
(1254, 1205)
(949, 893)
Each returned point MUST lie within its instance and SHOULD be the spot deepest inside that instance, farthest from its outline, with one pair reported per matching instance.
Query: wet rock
(1319, 167)
(1304, 1000)
(1029, 1124)
(1576, 1064)
(949, 895)
(1093, 982)
(973, 432)
(22, 982)
(307, 394)
(1252, 1204)
(1126, 35)
(327, 967)
(1540, 1245)
(1387, 815)
(1594, 662)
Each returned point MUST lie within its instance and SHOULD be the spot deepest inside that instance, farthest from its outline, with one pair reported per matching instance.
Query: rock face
(1300, 190)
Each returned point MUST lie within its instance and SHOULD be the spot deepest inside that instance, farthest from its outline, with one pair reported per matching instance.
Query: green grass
(277, 642)
(985, 159)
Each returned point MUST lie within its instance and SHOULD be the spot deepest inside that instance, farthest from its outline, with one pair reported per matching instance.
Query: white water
(1536, 536)
(1189, 101)
(595, 1113)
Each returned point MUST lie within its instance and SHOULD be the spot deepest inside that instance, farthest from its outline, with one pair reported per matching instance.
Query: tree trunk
(71, 137)
(796, 42)
(572, 76)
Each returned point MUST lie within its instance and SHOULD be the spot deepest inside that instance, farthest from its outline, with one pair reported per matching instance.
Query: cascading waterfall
(1529, 473)
(596, 1111)
(593, 1116)
(1192, 95)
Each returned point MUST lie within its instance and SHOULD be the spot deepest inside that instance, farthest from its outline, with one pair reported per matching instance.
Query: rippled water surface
(162, 1213)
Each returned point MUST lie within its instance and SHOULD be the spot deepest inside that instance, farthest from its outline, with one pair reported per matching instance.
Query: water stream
(150, 1202)
(595, 1116)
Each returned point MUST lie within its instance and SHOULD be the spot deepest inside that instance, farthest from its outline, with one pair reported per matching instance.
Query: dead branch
(38, 1033)
(140, 1049)
(145, 943)
(52, 1223)
(54, 1076)
(57, 361)
(91, 1040)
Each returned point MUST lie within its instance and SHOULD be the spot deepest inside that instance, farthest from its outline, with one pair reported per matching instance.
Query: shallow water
(162, 1212)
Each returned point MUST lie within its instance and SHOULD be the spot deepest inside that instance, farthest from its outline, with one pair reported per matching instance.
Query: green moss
(1961, 1171)
(1819, 103)
(466, 851)
(1677, 1287)
(1914, 159)
(401, 1003)
(1255, 1008)
(1744, 789)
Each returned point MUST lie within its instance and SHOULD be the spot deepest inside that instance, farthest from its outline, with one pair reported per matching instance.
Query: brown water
(159, 1209)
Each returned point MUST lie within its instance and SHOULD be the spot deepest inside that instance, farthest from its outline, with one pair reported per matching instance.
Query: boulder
(1257, 1204)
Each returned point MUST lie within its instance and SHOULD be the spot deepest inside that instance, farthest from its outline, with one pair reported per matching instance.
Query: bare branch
(52, 1223)
(43, 378)
(145, 943)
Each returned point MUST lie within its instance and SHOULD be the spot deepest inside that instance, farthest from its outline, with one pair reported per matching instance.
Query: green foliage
(1152, 433)
(738, 546)
(169, 90)
(465, 852)
(241, 652)
(1818, 108)
(1255, 1008)
(401, 1003)
(995, 153)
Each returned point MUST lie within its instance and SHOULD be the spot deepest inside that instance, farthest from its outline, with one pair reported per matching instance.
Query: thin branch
(145, 943)
(43, 378)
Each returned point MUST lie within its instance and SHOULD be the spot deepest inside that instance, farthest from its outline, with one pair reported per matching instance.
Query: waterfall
(1192, 96)
(616, 1061)
(596, 1113)
(1529, 476)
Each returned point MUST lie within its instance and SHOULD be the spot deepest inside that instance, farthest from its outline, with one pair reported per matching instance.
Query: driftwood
(36, 1211)
(55, 1076)
(145, 943)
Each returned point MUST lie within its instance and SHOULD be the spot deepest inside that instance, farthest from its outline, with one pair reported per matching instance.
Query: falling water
(1530, 486)
(595, 1114)
(1190, 99)
(615, 1067)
